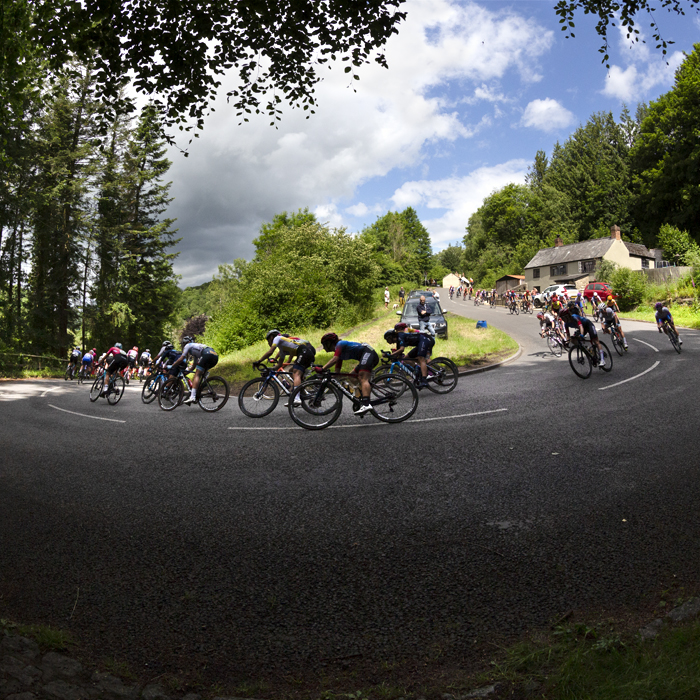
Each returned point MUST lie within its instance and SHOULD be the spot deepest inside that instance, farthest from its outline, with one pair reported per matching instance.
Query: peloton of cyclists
(367, 360)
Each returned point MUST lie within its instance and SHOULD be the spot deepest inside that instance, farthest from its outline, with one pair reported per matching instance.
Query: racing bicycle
(584, 356)
(442, 372)
(672, 336)
(115, 388)
(212, 394)
(318, 402)
(259, 397)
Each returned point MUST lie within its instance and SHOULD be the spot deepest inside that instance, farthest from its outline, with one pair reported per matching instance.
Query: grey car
(409, 314)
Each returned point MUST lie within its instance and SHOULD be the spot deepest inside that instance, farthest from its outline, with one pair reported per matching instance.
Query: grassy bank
(683, 314)
(467, 345)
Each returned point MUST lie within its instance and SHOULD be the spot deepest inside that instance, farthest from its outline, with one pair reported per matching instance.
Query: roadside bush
(604, 270)
(629, 287)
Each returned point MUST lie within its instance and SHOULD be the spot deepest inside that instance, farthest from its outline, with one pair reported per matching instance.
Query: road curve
(175, 540)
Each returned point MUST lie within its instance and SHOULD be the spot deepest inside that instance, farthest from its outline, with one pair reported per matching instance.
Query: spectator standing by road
(424, 312)
(387, 297)
(402, 297)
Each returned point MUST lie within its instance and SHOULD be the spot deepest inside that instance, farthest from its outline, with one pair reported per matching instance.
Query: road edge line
(85, 415)
(636, 376)
(494, 365)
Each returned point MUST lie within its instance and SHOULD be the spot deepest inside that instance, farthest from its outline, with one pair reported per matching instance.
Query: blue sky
(473, 90)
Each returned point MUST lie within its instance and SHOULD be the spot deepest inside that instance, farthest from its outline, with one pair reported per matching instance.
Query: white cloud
(547, 115)
(646, 70)
(237, 177)
(459, 196)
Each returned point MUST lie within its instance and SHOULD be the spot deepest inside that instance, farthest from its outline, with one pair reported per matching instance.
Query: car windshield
(411, 308)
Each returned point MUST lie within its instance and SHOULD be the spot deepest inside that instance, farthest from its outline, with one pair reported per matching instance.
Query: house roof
(586, 250)
(510, 277)
(638, 250)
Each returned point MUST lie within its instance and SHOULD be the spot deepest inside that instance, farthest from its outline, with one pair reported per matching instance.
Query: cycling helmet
(147, 350)
(572, 305)
(118, 345)
(135, 348)
(390, 336)
(659, 305)
(187, 339)
(329, 339)
(271, 335)
(401, 327)
(609, 298)
(95, 350)
(540, 315)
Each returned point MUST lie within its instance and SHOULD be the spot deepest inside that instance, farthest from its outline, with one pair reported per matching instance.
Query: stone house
(575, 263)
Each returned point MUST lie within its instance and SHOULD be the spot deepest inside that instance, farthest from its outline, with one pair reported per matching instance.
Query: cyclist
(367, 360)
(88, 359)
(206, 358)
(166, 356)
(301, 350)
(75, 356)
(585, 326)
(663, 313)
(144, 362)
(118, 362)
(452, 291)
(610, 318)
(421, 344)
(132, 355)
(547, 322)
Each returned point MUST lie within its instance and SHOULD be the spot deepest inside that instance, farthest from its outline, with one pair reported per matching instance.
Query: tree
(677, 245)
(177, 52)
(666, 159)
(451, 258)
(537, 171)
(622, 12)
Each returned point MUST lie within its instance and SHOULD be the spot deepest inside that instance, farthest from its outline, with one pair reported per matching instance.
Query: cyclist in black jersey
(421, 344)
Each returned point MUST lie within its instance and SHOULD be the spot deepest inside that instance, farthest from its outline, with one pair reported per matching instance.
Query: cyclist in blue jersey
(421, 344)
(663, 313)
(367, 360)
(585, 326)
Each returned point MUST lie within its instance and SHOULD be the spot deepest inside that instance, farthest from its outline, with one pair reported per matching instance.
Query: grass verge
(467, 345)
(683, 315)
(48, 638)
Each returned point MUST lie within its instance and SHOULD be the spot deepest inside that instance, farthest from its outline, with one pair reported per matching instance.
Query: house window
(586, 266)
(536, 273)
(645, 263)
(557, 270)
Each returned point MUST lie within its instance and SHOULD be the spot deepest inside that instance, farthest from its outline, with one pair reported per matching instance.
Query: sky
(473, 91)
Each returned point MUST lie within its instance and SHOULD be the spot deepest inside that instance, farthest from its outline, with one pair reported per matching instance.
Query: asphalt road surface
(170, 540)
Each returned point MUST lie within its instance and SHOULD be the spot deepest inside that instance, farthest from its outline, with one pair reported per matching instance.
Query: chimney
(615, 233)
(558, 243)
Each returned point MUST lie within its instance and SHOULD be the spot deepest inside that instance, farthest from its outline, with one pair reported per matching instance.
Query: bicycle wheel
(213, 394)
(315, 404)
(395, 401)
(554, 345)
(517, 311)
(96, 389)
(171, 394)
(258, 398)
(617, 343)
(386, 375)
(580, 361)
(607, 365)
(150, 388)
(116, 391)
(674, 340)
(442, 375)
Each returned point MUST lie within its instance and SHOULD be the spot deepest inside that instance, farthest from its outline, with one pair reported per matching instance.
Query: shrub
(629, 287)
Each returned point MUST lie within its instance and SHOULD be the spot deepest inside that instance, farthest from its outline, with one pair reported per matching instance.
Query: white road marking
(85, 415)
(47, 391)
(647, 344)
(636, 376)
(369, 425)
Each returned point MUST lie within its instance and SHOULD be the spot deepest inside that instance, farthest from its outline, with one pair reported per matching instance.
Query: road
(253, 548)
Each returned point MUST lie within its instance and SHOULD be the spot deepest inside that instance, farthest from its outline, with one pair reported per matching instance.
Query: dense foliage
(178, 52)
(84, 246)
(640, 172)
(303, 275)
